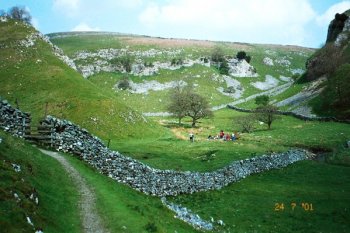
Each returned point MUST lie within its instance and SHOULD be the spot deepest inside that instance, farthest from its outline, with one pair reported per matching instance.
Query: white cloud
(129, 3)
(323, 20)
(85, 27)
(69, 7)
(265, 21)
(35, 23)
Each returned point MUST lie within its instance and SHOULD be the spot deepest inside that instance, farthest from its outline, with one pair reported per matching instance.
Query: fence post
(46, 107)
(23, 126)
(51, 136)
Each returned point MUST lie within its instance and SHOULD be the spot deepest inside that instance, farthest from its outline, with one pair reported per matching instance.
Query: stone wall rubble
(13, 120)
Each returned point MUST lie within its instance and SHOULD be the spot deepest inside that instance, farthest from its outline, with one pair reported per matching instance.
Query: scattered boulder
(270, 82)
(268, 61)
(241, 68)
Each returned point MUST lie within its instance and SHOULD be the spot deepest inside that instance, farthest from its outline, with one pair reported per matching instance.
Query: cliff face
(336, 27)
(335, 52)
(332, 62)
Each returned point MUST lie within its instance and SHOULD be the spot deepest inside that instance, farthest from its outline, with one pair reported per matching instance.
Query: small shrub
(176, 61)
(262, 100)
(246, 122)
(241, 55)
(224, 68)
(217, 55)
(124, 84)
(230, 90)
(151, 227)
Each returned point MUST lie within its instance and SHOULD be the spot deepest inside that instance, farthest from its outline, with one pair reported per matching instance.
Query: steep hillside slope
(331, 63)
(31, 186)
(153, 66)
(35, 79)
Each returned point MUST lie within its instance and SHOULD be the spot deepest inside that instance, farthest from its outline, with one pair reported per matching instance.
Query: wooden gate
(42, 134)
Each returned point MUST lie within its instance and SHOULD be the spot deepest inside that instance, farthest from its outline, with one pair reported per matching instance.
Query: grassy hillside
(36, 78)
(56, 210)
(287, 61)
(332, 61)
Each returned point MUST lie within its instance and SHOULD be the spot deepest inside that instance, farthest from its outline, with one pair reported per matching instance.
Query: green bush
(124, 84)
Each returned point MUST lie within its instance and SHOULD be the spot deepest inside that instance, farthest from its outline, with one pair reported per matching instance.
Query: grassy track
(126, 210)
(57, 209)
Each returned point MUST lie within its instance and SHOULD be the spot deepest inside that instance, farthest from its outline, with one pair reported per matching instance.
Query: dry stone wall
(296, 115)
(13, 120)
(70, 138)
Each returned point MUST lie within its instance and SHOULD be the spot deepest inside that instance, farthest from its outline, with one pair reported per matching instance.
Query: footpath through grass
(123, 209)
(57, 210)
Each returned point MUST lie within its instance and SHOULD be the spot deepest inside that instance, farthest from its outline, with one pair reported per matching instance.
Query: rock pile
(13, 120)
(188, 216)
(268, 61)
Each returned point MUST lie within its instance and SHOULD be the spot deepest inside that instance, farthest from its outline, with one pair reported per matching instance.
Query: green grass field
(308, 196)
(175, 151)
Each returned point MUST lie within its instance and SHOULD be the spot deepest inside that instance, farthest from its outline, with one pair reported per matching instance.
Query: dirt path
(90, 220)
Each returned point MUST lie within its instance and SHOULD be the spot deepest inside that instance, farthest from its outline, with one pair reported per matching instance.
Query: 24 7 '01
(306, 206)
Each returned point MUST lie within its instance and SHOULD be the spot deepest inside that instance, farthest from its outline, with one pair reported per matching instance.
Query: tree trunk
(269, 125)
(180, 120)
(193, 123)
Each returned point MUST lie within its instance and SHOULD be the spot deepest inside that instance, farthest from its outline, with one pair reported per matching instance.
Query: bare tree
(185, 102)
(267, 114)
(178, 102)
(246, 122)
(20, 13)
(198, 108)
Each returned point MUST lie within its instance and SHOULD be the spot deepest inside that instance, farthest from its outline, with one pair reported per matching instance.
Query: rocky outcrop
(336, 27)
(270, 82)
(31, 40)
(268, 61)
(241, 68)
(146, 86)
(344, 35)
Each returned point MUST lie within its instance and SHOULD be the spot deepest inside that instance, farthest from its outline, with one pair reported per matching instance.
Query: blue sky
(295, 22)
